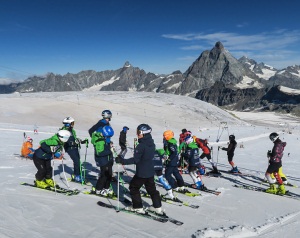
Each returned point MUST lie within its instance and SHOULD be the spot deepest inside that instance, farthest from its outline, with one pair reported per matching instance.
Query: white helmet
(63, 135)
(68, 121)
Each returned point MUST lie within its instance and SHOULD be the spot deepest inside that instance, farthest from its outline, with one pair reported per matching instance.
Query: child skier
(230, 153)
(170, 147)
(192, 155)
(104, 159)
(158, 168)
(72, 147)
(50, 148)
(123, 141)
(106, 117)
(143, 158)
(275, 162)
(27, 150)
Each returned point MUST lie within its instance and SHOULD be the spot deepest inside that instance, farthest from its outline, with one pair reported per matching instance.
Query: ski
(146, 215)
(164, 216)
(175, 201)
(212, 174)
(264, 182)
(211, 191)
(187, 193)
(260, 189)
(85, 183)
(112, 197)
(58, 189)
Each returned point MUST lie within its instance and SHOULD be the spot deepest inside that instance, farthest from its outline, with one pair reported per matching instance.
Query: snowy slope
(29, 212)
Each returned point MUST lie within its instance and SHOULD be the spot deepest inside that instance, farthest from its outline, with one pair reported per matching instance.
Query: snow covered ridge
(290, 91)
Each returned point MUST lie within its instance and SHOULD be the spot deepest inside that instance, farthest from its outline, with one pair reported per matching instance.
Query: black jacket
(122, 139)
(231, 147)
(143, 157)
(99, 124)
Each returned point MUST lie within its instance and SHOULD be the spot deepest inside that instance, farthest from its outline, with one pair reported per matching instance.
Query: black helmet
(106, 114)
(143, 129)
(273, 136)
(231, 137)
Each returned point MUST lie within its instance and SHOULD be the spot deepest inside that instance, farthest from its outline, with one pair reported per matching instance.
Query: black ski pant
(174, 171)
(74, 155)
(44, 168)
(136, 183)
(105, 177)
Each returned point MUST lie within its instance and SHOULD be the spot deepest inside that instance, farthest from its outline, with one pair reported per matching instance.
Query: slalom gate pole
(118, 207)
(218, 156)
(86, 147)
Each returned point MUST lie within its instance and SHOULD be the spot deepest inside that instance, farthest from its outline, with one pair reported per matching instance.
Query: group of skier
(149, 161)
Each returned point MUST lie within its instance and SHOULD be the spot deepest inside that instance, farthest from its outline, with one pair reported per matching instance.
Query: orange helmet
(168, 135)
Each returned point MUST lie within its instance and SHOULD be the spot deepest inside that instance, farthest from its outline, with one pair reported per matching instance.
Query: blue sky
(159, 36)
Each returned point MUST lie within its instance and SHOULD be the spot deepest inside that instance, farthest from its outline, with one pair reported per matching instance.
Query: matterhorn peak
(219, 45)
(127, 65)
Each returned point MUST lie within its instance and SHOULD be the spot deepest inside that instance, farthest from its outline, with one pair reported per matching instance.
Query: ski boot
(201, 170)
(272, 189)
(137, 210)
(50, 182)
(41, 184)
(215, 170)
(157, 210)
(234, 170)
(281, 189)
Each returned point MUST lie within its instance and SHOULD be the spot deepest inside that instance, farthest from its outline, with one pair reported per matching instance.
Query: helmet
(29, 139)
(273, 136)
(125, 128)
(183, 131)
(168, 134)
(188, 139)
(107, 131)
(106, 114)
(231, 137)
(143, 129)
(69, 121)
(63, 135)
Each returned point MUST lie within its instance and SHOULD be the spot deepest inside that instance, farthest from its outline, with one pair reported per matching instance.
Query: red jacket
(202, 144)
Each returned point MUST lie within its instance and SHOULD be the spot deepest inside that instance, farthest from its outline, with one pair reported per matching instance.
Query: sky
(61, 36)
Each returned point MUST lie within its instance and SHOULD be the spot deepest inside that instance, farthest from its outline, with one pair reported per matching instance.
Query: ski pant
(136, 183)
(74, 155)
(44, 168)
(105, 177)
(123, 151)
(174, 171)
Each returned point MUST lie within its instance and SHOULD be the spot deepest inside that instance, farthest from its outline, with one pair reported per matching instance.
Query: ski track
(244, 231)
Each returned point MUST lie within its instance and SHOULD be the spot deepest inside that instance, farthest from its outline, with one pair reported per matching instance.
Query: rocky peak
(127, 65)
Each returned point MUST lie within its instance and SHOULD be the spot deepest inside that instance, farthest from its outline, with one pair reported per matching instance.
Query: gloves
(57, 155)
(54, 148)
(77, 141)
(269, 154)
(119, 159)
(85, 141)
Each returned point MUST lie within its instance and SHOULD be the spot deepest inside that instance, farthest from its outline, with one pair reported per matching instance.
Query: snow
(29, 212)
(289, 90)
(248, 82)
(267, 73)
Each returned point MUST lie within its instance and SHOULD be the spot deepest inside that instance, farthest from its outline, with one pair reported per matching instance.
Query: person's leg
(134, 187)
(151, 190)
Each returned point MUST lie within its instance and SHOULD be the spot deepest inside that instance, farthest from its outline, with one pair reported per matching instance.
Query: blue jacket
(191, 154)
(99, 124)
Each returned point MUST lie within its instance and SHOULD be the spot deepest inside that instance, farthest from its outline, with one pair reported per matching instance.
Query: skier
(158, 168)
(50, 148)
(191, 154)
(170, 147)
(143, 158)
(230, 153)
(275, 162)
(72, 147)
(27, 148)
(203, 145)
(182, 135)
(35, 129)
(106, 117)
(281, 175)
(123, 141)
(101, 139)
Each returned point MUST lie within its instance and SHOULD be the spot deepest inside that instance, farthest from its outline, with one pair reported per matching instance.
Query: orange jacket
(202, 144)
(25, 150)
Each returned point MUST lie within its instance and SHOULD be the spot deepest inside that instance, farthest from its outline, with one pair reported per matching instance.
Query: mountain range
(215, 77)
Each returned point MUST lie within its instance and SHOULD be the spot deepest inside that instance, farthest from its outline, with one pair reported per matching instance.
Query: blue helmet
(107, 131)
(125, 128)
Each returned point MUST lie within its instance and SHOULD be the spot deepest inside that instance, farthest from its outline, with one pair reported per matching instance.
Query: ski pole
(53, 173)
(118, 189)
(63, 166)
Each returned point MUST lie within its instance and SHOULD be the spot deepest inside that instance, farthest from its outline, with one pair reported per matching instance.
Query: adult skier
(172, 162)
(101, 139)
(50, 149)
(143, 158)
(230, 153)
(123, 141)
(72, 147)
(275, 162)
(191, 154)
